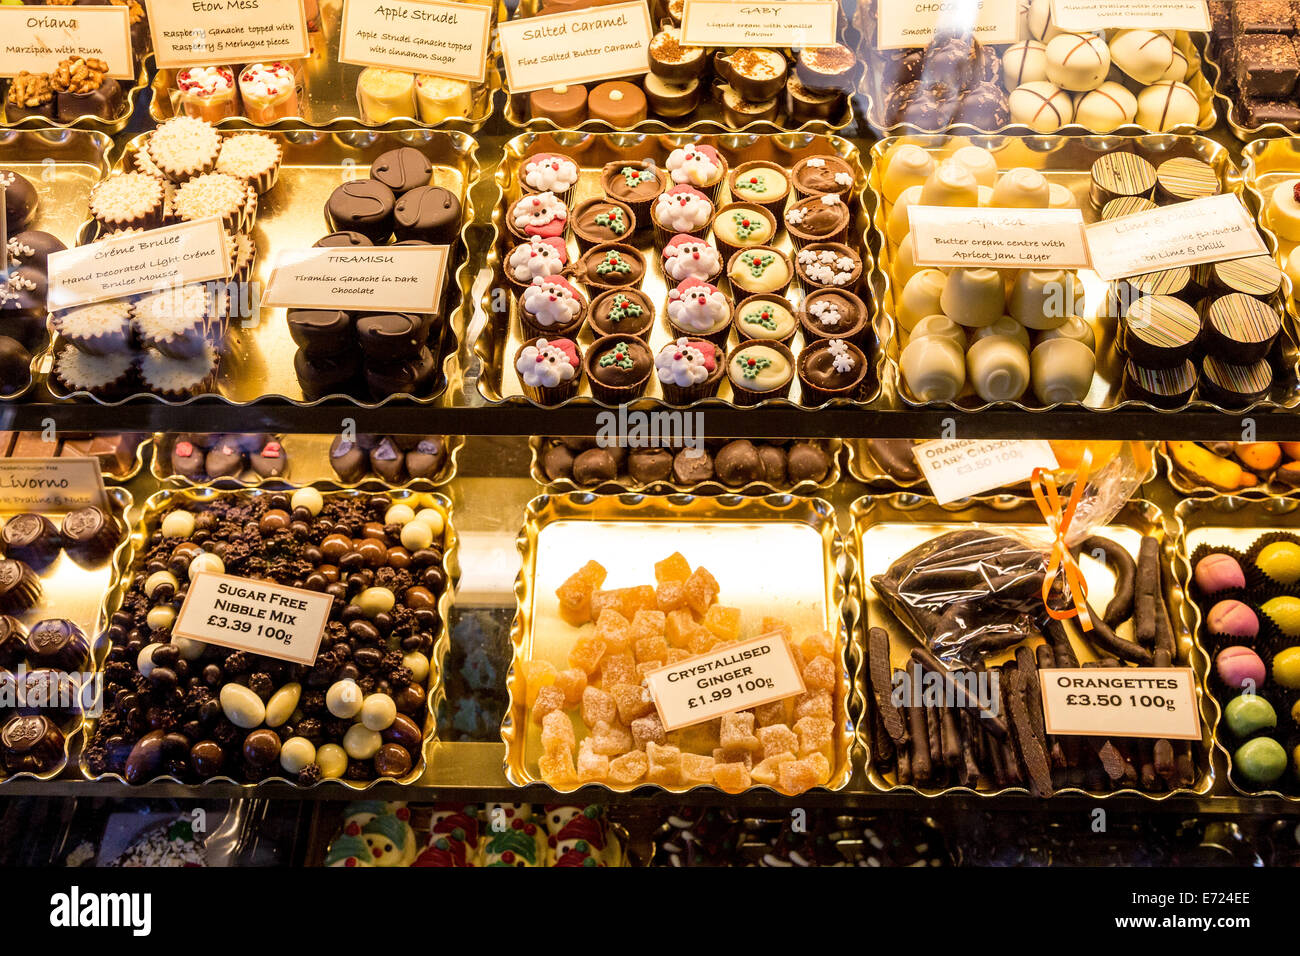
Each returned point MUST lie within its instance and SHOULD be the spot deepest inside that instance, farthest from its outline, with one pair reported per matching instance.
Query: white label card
(958, 469)
(418, 36)
(910, 23)
(36, 39)
(728, 23)
(586, 46)
(1214, 229)
(1018, 238)
(256, 616)
(51, 484)
(384, 278)
(226, 32)
(1085, 15)
(1157, 702)
(737, 677)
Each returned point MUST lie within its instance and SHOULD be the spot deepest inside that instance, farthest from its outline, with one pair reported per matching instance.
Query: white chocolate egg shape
(951, 184)
(906, 165)
(1077, 61)
(974, 297)
(1022, 188)
(933, 368)
(919, 298)
(998, 369)
(1061, 370)
(897, 225)
(942, 326)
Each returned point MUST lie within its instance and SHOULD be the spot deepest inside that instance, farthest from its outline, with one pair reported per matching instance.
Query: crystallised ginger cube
(648, 623)
(646, 667)
(723, 622)
(606, 601)
(776, 625)
(632, 702)
(617, 669)
(778, 738)
(679, 626)
(817, 644)
(701, 591)
(742, 756)
(777, 712)
(665, 765)
(737, 732)
(814, 703)
(697, 768)
(628, 768)
(672, 568)
(613, 628)
(796, 776)
(697, 738)
(610, 739)
(597, 706)
(557, 769)
(549, 699)
(647, 730)
(651, 649)
(586, 653)
(557, 733)
(571, 682)
(537, 674)
(639, 598)
(701, 641)
(816, 735)
(670, 596)
(592, 767)
(575, 593)
(819, 674)
(676, 655)
(767, 771)
(731, 777)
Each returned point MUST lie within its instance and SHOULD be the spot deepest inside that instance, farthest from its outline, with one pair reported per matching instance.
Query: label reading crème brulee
(37, 39)
(418, 36)
(909, 23)
(1084, 15)
(586, 46)
(222, 32)
(728, 23)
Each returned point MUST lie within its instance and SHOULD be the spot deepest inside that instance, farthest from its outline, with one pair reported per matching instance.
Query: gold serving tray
(885, 527)
(308, 465)
(537, 444)
(627, 534)
(1185, 485)
(1068, 161)
(502, 334)
(257, 358)
(93, 123)
(137, 545)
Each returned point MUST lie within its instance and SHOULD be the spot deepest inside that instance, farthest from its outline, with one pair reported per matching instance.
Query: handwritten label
(740, 676)
(256, 616)
(389, 278)
(1083, 15)
(1155, 702)
(802, 23)
(419, 36)
(190, 252)
(959, 469)
(1021, 238)
(38, 38)
(51, 484)
(587, 46)
(1214, 229)
(208, 32)
(909, 23)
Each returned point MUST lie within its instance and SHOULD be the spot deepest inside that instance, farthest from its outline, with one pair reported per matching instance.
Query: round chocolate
(737, 463)
(565, 106)
(89, 531)
(1121, 174)
(692, 466)
(15, 366)
(31, 744)
(618, 103)
(388, 462)
(603, 220)
(402, 169)
(1255, 275)
(33, 248)
(20, 588)
(807, 462)
(428, 213)
(1160, 331)
(1240, 328)
(364, 206)
(1126, 206)
(1185, 177)
(13, 642)
(612, 265)
(57, 643)
(31, 538)
(621, 311)
(594, 466)
(647, 466)
(426, 459)
(348, 460)
(391, 337)
(1235, 385)
(557, 462)
(21, 201)
(343, 240)
(321, 375)
(322, 332)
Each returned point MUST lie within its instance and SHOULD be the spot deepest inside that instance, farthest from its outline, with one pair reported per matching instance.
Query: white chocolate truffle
(332, 760)
(974, 297)
(1106, 108)
(1075, 327)
(433, 517)
(206, 563)
(361, 743)
(933, 368)
(941, 326)
(951, 184)
(1180, 67)
(418, 665)
(998, 369)
(1041, 106)
(399, 514)
(1061, 370)
(1022, 188)
(919, 298)
(1039, 22)
(416, 535)
(897, 225)
(177, 524)
(979, 161)
(1282, 214)
(1024, 62)
(1042, 298)
(1077, 61)
(908, 165)
(1167, 105)
(160, 617)
(904, 262)
(1144, 55)
(1007, 327)
(344, 698)
(308, 498)
(378, 711)
(297, 754)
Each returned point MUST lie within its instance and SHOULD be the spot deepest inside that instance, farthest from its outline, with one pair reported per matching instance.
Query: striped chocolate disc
(1126, 206)
(1243, 318)
(1255, 275)
(1165, 382)
(1121, 173)
(1186, 178)
(1163, 322)
(1164, 282)
(1238, 379)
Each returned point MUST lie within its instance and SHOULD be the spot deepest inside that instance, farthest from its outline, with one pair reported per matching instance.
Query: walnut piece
(76, 75)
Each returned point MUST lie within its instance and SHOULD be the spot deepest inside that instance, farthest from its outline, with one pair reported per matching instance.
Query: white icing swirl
(687, 164)
(681, 364)
(539, 210)
(701, 308)
(551, 173)
(692, 260)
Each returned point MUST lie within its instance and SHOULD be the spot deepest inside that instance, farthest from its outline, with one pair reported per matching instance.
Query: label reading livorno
(958, 469)
(586, 46)
(37, 39)
(388, 278)
(1011, 238)
(1122, 702)
(740, 676)
(908, 23)
(728, 23)
(51, 484)
(1085, 15)
(256, 616)
(418, 36)
(208, 32)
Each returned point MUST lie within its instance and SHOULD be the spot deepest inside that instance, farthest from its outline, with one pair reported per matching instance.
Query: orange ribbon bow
(1058, 516)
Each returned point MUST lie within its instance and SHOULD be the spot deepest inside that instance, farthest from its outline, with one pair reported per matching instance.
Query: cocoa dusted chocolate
(734, 464)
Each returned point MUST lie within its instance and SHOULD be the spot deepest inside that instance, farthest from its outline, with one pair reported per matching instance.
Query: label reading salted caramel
(740, 676)
(1155, 702)
(151, 261)
(908, 23)
(222, 32)
(1214, 229)
(256, 616)
(959, 469)
(385, 278)
(51, 484)
(728, 23)
(418, 36)
(1193, 15)
(37, 39)
(587, 46)
(1011, 238)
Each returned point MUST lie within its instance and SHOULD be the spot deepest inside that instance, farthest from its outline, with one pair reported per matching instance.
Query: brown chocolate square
(1264, 16)
(1267, 66)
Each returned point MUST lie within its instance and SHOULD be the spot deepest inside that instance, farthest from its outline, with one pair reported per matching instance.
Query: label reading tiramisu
(256, 616)
(1193, 15)
(1003, 238)
(384, 278)
(1155, 702)
(909, 23)
(418, 36)
(37, 39)
(586, 46)
(728, 23)
(222, 32)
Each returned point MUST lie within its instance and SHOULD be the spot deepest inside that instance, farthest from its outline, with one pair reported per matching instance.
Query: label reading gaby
(418, 36)
(587, 46)
(1083, 15)
(802, 23)
(388, 278)
(740, 676)
(256, 616)
(190, 252)
(908, 23)
(37, 38)
(51, 484)
(959, 469)
(1021, 238)
(1122, 702)
(1214, 229)
(222, 32)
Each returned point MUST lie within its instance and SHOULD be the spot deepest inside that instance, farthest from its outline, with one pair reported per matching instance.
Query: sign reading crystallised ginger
(585, 46)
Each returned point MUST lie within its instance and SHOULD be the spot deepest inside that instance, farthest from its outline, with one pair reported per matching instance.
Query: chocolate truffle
(344, 240)
(648, 466)
(31, 744)
(20, 588)
(402, 169)
(21, 200)
(15, 366)
(388, 462)
(33, 248)
(187, 459)
(430, 213)
(426, 459)
(322, 332)
(348, 460)
(807, 462)
(737, 463)
(225, 459)
(89, 532)
(557, 462)
(31, 538)
(391, 337)
(691, 466)
(364, 206)
(594, 466)
(269, 460)
(58, 643)
(321, 375)
(401, 378)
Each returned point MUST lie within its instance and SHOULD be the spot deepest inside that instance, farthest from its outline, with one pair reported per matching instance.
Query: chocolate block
(1264, 16)
(1267, 66)
(33, 445)
(116, 453)
(1221, 20)
(1259, 112)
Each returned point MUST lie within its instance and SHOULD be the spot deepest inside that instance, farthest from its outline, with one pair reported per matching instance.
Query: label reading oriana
(387, 278)
(984, 236)
(1121, 701)
(586, 46)
(800, 23)
(51, 484)
(217, 32)
(418, 36)
(958, 469)
(908, 23)
(36, 39)
(1191, 15)
(257, 616)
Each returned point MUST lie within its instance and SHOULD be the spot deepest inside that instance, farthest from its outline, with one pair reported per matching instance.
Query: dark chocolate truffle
(692, 466)
(402, 169)
(348, 460)
(32, 538)
(89, 532)
(364, 206)
(387, 461)
(428, 213)
(737, 463)
(594, 466)
(557, 462)
(807, 462)
(426, 459)
(647, 466)
(58, 643)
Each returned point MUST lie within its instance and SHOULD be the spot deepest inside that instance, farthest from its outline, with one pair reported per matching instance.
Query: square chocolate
(1221, 20)
(1267, 66)
(1259, 112)
(1264, 16)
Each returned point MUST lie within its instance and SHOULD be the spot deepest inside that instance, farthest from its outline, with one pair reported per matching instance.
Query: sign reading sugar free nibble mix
(261, 617)
(418, 36)
(586, 46)
(217, 32)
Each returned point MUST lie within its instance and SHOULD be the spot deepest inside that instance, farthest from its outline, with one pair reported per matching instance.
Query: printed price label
(1084, 15)
(224, 32)
(602, 43)
(1214, 229)
(959, 469)
(1021, 238)
(388, 278)
(51, 484)
(36, 39)
(1121, 702)
(183, 254)
(908, 23)
(743, 675)
(726, 23)
(256, 616)
(419, 36)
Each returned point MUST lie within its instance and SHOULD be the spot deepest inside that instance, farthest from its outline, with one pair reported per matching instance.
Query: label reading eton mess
(959, 469)
(224, 32)
(1019, 238)
(256, 616)
(418, 36)
(397, 279)
(908, 23)
(801, 23)
(587, 46)
(51, 484)
(184, 254)
(742, 675)
(1214, 229)
(1121, 702)
(1193, 15)
(36, 39)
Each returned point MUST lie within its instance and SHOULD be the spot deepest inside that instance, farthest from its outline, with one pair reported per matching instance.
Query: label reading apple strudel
(418, 36)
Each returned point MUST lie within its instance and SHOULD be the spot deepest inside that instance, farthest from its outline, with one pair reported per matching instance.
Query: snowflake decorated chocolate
(828, 267)
(686, 257)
